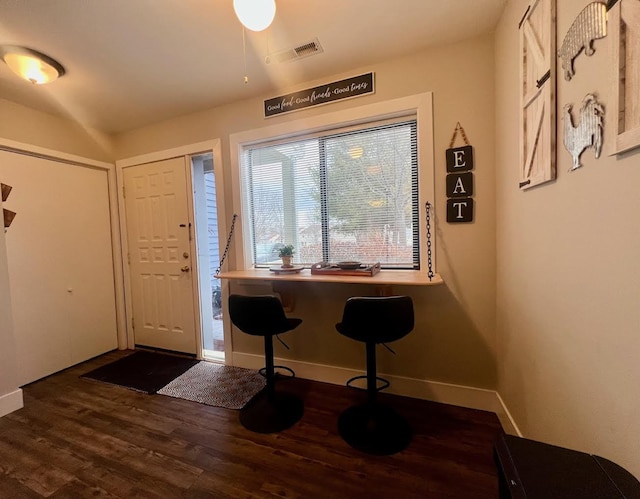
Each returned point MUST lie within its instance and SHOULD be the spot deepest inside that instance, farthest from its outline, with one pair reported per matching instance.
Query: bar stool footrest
(292, 374)
(385, 382)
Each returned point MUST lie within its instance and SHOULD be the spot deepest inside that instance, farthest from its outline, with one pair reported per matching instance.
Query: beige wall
(454, 338)
(22, 124)
(568, 278)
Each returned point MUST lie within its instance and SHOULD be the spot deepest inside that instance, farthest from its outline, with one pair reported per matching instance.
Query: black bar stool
(372, 427)
(268, 411)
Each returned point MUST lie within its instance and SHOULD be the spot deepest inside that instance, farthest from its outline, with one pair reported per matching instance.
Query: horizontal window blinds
(346, 195)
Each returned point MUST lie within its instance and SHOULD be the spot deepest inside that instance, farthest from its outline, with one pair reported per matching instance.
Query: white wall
(568, 277)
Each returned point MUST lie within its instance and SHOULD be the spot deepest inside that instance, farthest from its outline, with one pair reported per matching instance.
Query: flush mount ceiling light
(255, 15)
(356, 152)
(30, 64)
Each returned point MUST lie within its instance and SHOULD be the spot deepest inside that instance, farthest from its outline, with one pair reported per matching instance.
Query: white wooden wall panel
(624, 21)
(59, 253)
(537, 94)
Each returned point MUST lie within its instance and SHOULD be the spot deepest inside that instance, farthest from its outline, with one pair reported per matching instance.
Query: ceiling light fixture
(356, 152)
(256, 15)
(31, 65)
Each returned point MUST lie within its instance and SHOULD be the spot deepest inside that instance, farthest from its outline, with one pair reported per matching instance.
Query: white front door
(158, 231)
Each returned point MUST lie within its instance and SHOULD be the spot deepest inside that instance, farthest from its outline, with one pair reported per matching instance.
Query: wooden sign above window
(324, 94)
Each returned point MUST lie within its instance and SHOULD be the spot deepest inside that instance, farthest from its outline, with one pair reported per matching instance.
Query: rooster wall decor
(588, 133)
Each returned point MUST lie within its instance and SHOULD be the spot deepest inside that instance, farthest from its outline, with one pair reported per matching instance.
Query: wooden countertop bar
(382, 278)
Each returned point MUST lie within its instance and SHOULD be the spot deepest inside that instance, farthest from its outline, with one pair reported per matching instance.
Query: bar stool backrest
(378, 319)
(260, 315)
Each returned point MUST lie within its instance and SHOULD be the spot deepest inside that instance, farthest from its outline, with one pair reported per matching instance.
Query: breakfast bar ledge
(383, 280)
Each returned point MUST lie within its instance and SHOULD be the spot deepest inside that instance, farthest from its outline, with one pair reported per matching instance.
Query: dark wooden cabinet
(528, 469)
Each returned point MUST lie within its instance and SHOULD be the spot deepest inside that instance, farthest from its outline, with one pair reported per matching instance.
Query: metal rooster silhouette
(588, 133)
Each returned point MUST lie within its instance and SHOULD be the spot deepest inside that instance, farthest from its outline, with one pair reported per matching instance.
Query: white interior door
(159, 255)
(59, 253)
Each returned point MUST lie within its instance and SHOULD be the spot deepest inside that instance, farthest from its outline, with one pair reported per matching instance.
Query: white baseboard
(11, 402)
(508, 423)
(435, 391)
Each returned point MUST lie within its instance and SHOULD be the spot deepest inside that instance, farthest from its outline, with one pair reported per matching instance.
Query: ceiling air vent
(299, 52)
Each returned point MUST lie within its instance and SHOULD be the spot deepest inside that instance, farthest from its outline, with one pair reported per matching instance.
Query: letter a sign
(459, 180)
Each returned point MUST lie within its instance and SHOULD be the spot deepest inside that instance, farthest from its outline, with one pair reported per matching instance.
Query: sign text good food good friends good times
(323, 94)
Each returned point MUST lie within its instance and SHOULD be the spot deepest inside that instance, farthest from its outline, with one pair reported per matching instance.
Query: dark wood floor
(80, 438)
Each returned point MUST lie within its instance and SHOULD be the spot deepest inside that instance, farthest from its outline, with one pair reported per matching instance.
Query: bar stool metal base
(271, 413)
(374, 429)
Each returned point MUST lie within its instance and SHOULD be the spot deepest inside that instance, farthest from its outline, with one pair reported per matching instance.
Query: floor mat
(143, 371)
(217, 385)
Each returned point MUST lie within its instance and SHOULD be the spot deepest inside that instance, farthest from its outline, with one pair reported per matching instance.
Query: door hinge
(124, 195)
(133, 324)
(129, 258)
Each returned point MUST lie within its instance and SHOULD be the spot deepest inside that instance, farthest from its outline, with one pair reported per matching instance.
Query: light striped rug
(215, 384)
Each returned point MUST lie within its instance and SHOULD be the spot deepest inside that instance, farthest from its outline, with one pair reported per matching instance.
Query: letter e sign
(459, 159)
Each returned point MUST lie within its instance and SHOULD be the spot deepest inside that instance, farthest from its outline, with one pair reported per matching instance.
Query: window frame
(421, 105)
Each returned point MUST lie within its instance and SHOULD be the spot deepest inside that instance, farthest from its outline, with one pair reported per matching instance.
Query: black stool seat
(372, 427)
(268, 411)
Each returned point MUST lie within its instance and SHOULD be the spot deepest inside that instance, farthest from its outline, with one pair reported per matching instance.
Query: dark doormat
(142, 371)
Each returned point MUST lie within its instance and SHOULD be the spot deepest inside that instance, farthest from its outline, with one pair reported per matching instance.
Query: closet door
(60, 261)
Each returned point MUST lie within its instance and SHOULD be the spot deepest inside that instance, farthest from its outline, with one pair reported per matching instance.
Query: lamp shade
(255, 15)
(31, 65)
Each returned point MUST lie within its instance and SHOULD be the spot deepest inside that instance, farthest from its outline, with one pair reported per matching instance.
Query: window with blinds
(349, 194)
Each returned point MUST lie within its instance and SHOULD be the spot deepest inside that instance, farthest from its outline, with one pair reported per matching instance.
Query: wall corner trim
(10, 402)
(507, 421)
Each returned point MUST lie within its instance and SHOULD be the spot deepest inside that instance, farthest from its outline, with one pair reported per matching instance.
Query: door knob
(185, 268)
